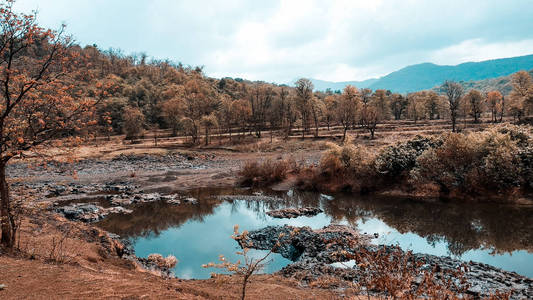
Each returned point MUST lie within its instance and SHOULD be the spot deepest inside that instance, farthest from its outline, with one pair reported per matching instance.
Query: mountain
(322, 85)
(502, 84)
(427, 75)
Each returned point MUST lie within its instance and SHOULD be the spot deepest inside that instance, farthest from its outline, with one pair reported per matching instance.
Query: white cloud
(282, 40)
(479, 50)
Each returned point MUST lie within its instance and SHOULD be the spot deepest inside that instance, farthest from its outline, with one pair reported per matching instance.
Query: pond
(495, 234)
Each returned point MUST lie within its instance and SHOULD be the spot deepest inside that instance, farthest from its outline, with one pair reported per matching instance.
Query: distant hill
(502, 84)
(322, 85)
(427, 75)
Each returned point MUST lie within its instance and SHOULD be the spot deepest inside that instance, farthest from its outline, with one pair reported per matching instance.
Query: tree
(317, 108)
(260, 100)
(474, 104)
(416, 105)
(494, 103)
(242, 113)
(37, 103)
(304, 96)
(453, 92)
(381, 102)
(173, 111)
(133, 122)
(522, 93)
(347, 106)
(370, 118)
(433, 105)
(225, 114)
(209, 122)
(398, 105)
(330, 103)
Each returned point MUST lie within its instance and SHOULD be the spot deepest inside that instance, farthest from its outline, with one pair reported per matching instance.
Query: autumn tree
(199, 100)
(494, 103)
(433, 105)
(261, 97)
(522, 94)
(370, 118)
(330, 106)
(370, 114)
(36, 103)
(398, 105)
(209, 121)
(225, 114)
(381, 101)
(133, 122)
(242, 113)
(453, 92)
(474, 104)
(173, 112)
(304, 96)
(416, 106)
(347, 107)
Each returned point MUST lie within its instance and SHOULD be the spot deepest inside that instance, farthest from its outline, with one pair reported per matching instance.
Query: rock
(294, 212)
(315, 253)
(119, 210)
(250, 198)
(190, 200)
(326, 197)
(89, 212)
(2, 286)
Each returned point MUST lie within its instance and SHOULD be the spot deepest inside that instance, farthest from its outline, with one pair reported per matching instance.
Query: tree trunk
(453, 122)
(5, 209)
(344, 133)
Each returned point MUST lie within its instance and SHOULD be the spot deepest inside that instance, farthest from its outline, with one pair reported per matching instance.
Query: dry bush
(389, 272)
(248, 266)
(346, 167)
(168, 262)
(479, 163)
(264, 173)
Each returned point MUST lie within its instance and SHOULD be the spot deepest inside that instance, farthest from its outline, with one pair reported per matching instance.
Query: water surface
(499, 235)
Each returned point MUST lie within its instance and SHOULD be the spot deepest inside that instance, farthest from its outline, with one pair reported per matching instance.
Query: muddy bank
(315, 253)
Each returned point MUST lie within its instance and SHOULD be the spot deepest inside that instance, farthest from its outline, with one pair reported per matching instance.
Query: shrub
(133, 122)
(346, 167)
(265, 173)
(401, 158)
(168, 262)
(477, 163)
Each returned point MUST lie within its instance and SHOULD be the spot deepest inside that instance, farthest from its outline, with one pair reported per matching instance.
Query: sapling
(248, 266)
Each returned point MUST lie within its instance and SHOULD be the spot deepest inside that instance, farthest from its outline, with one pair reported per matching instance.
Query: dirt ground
(60, 259)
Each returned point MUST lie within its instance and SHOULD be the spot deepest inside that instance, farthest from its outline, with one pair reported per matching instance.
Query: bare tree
(304, 96)
(453, 92)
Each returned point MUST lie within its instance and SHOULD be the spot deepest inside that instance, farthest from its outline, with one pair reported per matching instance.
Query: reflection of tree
(502, 228)
(151, 218)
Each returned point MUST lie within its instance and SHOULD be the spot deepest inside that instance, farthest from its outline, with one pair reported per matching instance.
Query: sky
(280, 41)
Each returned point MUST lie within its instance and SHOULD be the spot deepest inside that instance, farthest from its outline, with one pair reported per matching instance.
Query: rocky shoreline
(315, 253)
(289, 213)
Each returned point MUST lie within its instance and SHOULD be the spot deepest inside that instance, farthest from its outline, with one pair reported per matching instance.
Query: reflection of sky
(519, 261)
(200, 242)
(196, 243)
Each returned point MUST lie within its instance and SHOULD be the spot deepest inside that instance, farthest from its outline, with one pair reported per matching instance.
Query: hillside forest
(135, 95)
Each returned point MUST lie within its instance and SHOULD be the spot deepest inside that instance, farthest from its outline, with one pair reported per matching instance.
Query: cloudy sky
(279, 41)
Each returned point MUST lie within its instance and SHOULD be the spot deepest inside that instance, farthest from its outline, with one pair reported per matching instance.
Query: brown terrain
(62, 259)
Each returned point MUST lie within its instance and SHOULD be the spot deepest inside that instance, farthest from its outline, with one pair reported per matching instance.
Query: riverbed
(495, 234)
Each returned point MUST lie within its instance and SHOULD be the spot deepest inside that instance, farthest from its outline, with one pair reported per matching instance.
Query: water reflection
(500, 235)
